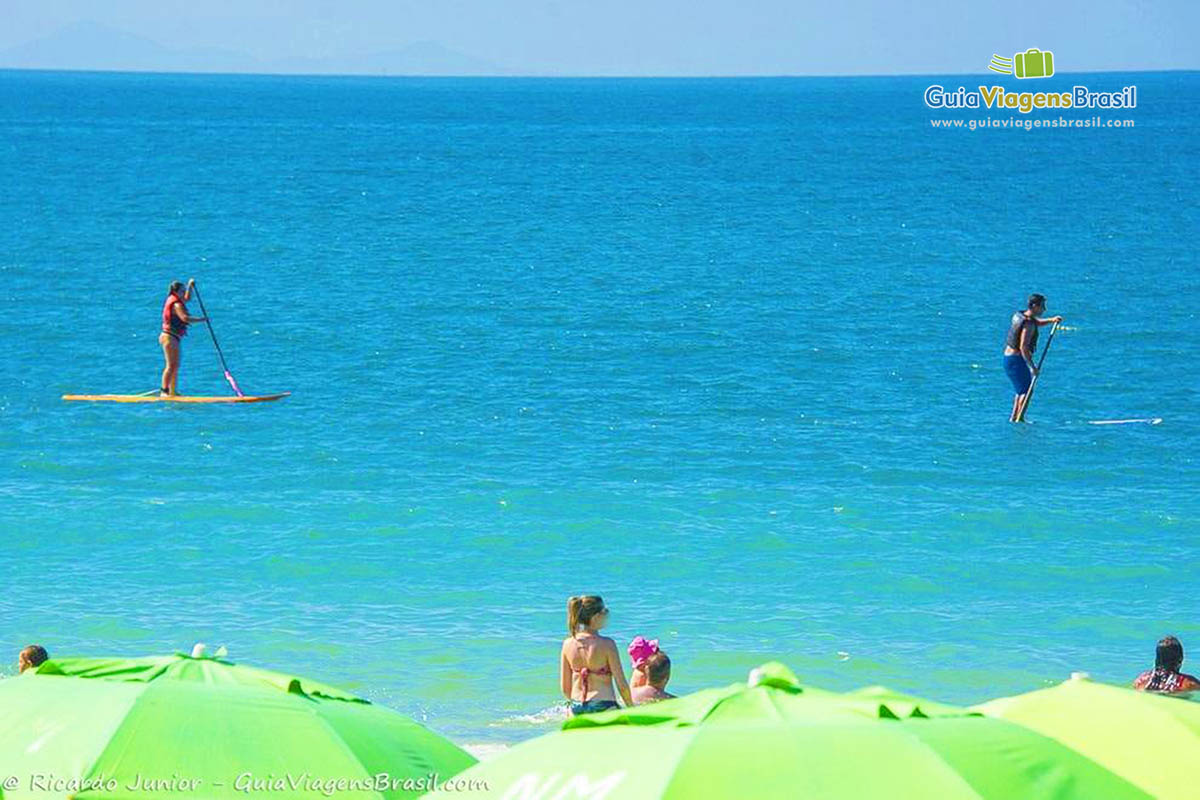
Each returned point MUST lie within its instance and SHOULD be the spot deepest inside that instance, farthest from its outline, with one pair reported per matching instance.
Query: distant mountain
(419, 58)
(94, 46)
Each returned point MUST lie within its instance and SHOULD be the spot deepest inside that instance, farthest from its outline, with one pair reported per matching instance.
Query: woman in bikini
(590, 663)
(175, 320)
(1166, 676)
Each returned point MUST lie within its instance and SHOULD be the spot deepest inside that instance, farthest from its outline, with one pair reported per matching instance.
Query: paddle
(229, 376)
(1033, 383)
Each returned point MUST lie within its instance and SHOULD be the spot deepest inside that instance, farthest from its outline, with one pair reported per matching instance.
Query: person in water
(590, 664)
(657, 669)
(1019, 347)
(639, 650)
(175, 320)
(31, 657)
(1166, 677)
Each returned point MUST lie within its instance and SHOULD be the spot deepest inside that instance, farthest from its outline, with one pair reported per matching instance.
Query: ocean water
(724, 351)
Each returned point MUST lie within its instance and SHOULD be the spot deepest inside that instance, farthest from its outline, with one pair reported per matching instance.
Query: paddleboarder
(1019, 347)
(175, 322)
(175, 319)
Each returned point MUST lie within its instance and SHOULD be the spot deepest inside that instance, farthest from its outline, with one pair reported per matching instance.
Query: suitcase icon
(1033, 63)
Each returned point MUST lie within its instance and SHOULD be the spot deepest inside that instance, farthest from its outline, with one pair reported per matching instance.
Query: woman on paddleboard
(1019, 347)
(175, 320)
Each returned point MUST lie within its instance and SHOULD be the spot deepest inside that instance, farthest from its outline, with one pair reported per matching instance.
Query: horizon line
(568, 76)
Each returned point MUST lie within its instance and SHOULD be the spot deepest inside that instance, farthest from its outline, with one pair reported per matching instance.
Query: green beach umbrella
(773, 738)
(1150, 740)
(761, 697)
(905, 705)
(177, 726)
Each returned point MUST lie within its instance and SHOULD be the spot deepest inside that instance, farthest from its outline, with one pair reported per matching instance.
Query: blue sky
(647, 37)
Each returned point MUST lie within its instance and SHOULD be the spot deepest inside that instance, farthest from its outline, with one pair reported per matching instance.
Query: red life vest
(171, 323)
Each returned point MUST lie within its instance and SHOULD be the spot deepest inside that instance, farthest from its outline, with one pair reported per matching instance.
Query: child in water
(639, 650)
(657, 669)
(651, 671)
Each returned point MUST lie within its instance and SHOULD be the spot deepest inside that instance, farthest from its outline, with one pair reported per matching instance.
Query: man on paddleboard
(1019, 347)
(175, 320)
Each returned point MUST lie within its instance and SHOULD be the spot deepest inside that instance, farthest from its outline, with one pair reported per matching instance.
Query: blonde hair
(581, 609)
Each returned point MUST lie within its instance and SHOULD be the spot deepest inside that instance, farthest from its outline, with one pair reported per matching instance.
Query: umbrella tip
(773, 674)
(1080, 676)
(200, 650)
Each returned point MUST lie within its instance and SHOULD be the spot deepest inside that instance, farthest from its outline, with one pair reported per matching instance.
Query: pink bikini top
(585, 674)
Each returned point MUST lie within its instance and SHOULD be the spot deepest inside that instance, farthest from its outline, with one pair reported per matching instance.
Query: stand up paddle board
(1145, 421)
(178, 398)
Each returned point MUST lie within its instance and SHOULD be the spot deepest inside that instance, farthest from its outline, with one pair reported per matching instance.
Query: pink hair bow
(640, 649)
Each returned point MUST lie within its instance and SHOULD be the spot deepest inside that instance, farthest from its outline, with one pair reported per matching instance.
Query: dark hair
(581, 609)
(1037, 300)
(175, 288)
(33, 655)
(1168, 654)
(658, 669)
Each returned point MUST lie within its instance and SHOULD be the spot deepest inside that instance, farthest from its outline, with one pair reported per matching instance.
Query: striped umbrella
(774, 739)
(177, 726)
(1151, 740)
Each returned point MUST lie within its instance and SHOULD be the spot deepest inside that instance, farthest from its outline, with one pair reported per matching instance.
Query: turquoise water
(727, 352)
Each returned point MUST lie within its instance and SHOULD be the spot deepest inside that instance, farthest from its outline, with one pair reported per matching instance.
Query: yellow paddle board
(179, 398)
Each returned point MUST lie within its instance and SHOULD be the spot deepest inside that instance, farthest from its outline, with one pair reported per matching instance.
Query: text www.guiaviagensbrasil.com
(1012, 123)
